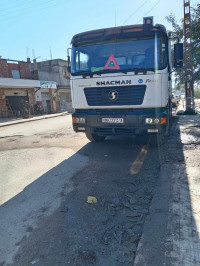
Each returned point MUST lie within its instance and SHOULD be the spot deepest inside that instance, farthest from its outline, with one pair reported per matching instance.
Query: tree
(195, 40)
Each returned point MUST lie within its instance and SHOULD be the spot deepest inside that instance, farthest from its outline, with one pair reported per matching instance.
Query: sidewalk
(13, 121)
(171, 233)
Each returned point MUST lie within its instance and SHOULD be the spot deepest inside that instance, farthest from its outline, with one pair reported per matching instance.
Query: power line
(27, 8)
(26, 13)
(150, 10)
(15, 6)
(9, 4)
(152, 7)
(135, 11)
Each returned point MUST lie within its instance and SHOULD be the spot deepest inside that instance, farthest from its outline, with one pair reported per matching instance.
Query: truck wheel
(156, 140)
(94, 137)
(141, 138)
(159, 139)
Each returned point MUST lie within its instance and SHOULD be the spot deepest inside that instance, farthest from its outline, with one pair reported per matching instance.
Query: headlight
(152, 121)
(156, 120)
(81, 128)
(149, 120)
(79, 120)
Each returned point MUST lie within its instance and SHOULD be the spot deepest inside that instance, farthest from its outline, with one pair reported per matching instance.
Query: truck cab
(121, 81)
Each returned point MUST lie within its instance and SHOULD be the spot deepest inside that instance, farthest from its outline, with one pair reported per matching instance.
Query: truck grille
(114, 131)
(125, 111)
(123, 95)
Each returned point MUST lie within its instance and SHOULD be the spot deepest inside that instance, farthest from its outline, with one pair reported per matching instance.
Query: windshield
(146, 54)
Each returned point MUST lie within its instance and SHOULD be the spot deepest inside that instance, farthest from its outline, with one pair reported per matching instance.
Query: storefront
(45, 97)
(15, 94)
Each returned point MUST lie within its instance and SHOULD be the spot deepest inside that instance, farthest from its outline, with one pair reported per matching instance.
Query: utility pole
(189, 80)
(50, 53)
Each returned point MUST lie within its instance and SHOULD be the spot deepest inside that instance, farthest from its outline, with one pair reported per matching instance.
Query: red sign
(111, 63)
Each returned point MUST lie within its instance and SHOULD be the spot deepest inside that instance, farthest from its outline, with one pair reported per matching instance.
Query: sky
(44, 28)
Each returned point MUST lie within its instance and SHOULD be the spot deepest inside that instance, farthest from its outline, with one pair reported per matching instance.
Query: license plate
(113, 120)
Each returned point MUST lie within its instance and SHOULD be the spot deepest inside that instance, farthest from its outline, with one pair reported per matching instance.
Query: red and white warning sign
(111, 63)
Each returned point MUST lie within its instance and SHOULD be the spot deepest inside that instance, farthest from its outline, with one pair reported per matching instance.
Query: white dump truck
(121, 81)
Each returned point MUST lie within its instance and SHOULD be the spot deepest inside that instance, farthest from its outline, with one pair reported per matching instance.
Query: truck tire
(157, 140)
(141, 139)
(94, 137)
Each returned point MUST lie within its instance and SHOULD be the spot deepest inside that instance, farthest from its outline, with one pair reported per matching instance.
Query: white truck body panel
(156, 95)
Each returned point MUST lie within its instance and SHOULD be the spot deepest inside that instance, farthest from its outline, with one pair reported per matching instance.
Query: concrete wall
(19, 83)
(54, 70)
(51, 76)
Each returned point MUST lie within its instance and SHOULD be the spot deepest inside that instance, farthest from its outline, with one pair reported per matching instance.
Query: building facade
(53, 70)
(38, 87)
(17, 88)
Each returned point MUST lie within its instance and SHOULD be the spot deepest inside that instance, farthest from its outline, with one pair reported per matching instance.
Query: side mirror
(178, 55)
(68, 64)
(68, 61)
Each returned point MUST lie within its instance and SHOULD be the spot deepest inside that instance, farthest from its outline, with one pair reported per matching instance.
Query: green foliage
(195, 40)
(197, 93)
(177, 29)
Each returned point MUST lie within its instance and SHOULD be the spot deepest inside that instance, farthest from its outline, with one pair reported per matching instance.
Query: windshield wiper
(124, 71)
(88, 73)
(144, 70)
(137, 70)
(96, 73)
(105, 71)
(85, 74)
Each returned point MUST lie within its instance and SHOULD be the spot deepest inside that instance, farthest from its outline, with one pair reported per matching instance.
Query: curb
(15, 122)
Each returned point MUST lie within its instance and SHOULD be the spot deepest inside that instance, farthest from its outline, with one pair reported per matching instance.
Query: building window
(15, 74)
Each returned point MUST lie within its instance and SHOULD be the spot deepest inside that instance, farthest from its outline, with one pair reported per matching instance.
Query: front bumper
(133, 122)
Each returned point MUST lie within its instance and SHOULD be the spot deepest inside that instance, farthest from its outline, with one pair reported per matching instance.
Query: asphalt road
(35, 168)
(47, 173)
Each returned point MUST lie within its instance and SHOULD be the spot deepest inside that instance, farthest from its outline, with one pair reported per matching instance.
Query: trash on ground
(35, 261)
(91, 199)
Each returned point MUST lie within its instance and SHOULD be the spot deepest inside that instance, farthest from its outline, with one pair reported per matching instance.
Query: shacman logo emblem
(113, 95)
